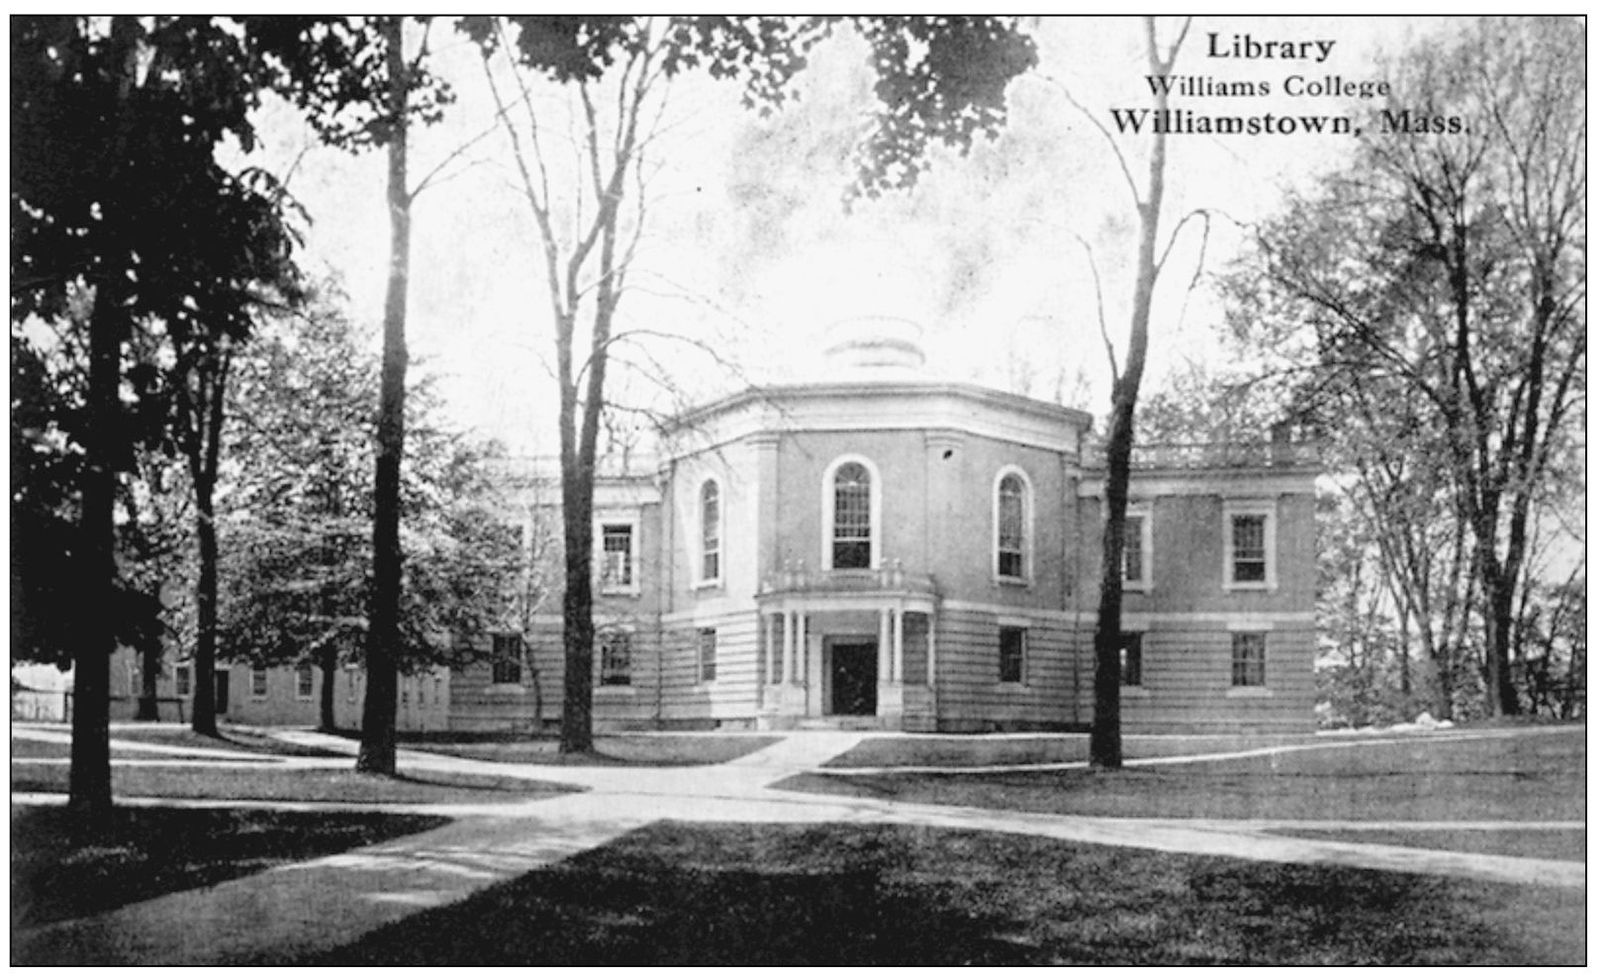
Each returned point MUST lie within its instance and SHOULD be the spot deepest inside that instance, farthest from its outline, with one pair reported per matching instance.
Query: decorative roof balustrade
(1213, 455)
(891, 576)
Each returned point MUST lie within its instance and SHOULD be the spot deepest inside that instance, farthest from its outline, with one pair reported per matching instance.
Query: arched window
(710, 498)
(851, 516)
(1013, 526)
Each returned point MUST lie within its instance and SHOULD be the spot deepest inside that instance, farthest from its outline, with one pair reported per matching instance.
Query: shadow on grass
(63, 867)
(677, 894)
(321, 784)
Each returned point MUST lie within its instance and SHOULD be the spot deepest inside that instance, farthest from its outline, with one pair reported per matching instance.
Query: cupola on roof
(874, 347)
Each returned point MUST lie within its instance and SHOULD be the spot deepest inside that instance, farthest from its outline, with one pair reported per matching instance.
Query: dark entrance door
(220, 690)
(854, 678)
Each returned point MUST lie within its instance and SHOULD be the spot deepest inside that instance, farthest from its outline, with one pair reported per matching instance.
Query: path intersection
(303, 908)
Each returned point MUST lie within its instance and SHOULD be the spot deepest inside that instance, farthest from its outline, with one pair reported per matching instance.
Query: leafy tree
(1441, 277)
(940, 79)
(298, 566)
(363, 87)
(118, 202)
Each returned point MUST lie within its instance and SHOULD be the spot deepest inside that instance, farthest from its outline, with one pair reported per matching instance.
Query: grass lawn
(1538, 777)
(246, 740)
(24, 747)
(292, 784)
(898, 895)
(626, 750)
(1567, 844)
(60, 868)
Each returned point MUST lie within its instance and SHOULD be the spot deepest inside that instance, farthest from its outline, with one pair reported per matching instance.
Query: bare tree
(1448, 262)
(1105, 745)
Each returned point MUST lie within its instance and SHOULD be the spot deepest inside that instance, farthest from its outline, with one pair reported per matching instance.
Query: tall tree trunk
(1501, 699)
(204, 719)
(578, 460)
(377, 752)
(89, 779)
(89, 776)
(150, 668)
(203, 411)
(575, 730)
(1105, 741)
(328, 664)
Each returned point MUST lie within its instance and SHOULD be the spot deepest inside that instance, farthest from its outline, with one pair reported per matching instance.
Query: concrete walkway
(311, 906)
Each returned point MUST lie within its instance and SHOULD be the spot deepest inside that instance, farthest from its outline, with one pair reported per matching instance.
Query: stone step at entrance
(841, 723)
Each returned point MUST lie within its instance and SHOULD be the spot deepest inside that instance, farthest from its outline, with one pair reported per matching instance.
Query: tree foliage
(365, 83)
(1433, 292)
(120, 208)
(297, 511)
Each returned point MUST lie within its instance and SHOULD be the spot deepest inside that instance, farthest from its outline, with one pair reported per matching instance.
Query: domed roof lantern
(875, 346)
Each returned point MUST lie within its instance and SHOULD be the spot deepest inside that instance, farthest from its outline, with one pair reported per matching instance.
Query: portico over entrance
(849, 643)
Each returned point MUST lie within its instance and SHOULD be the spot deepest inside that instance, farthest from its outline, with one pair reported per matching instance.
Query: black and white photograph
(798, 490)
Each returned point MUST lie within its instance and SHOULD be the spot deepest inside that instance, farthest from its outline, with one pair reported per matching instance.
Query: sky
(749, 251)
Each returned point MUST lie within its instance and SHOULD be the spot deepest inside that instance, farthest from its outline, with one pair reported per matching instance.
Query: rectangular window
(1133, 551)
(1249, 544)
(506, 651)
(181, 680)
(351, 686)
(778, 638)
(1012, 654)
(1133, 659)
(1012, 527)
(614, 655)
(259, 683)
(706, 655)
(616, 570)
(1250, 659)
(711, 531)
(851, 516)
(304, 681)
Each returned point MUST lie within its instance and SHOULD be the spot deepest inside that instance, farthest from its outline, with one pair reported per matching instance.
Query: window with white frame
(1249, 545)
(616, 573)
(1012, 654)
(614, 658)
(1137, 562)
(507, 653)
(304, 681)
(259, 682)
(852, 511)
(1248, 666)
(707, 646)
(709, 506)
(1012, 529)
(181, 680)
